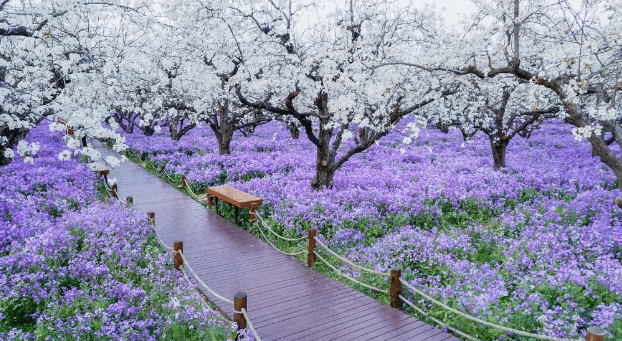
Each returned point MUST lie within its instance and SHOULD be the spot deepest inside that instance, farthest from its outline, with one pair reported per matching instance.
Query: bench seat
(235, 197)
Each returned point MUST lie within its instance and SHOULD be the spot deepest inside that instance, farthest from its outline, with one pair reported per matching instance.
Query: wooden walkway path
(286, 300)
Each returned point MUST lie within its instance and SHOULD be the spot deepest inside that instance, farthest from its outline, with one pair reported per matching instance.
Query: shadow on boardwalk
(286, 300)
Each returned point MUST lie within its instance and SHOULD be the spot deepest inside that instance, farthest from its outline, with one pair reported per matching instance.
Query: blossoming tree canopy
(329, 88)
(572, 49)
(51, 53)
(501, 108)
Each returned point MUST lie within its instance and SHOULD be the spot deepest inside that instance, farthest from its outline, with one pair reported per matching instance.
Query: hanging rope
(250, 325)
(347, 261)
(276, 248)
(196, 197)
(437, 321)
(188, 279)
(161, 241)
(276, 234)
(348, 277)
(478, 320)
(201, 282)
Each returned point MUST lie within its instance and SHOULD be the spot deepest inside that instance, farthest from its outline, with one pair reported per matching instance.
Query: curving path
(286, 300)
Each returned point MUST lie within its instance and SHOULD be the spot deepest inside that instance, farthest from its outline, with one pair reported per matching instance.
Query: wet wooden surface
(286, 300)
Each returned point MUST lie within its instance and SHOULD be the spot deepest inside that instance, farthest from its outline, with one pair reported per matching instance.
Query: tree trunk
(224, 143)
(224, 133)
(325, 160)
(294, 131)
(130, 127)
(3, 160)
(148, 131)
(323, 174)
(499, 147)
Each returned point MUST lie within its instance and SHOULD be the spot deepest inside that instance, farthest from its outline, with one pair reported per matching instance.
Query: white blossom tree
(573, 50)
(49, 50)
(324, 83)
(501, 109)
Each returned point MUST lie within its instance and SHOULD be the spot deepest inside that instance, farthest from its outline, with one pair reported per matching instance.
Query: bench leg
(237, 213)
(253, 208)
(216, 200)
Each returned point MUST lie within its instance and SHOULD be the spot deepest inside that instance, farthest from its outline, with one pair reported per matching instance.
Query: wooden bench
(235, 197)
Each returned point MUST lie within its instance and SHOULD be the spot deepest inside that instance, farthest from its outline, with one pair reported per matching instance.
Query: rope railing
(183, 271)
(143, 163)
(437, 321)
(196, 197)
(248, 320)
(478, 320)
(218, 296)
(162, 242)
(172, 179)
(276, 248)
(348, 277)
(276, 234)
(347, 261)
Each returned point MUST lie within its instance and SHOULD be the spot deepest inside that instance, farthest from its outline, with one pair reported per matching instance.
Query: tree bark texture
(499, 148)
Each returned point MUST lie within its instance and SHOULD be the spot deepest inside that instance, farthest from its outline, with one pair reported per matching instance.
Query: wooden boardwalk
(286, 300)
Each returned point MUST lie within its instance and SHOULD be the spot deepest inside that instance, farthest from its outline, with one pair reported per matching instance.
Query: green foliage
(18, 314)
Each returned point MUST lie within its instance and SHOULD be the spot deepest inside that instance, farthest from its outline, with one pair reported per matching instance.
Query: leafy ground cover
(536, 246)
(73, 267)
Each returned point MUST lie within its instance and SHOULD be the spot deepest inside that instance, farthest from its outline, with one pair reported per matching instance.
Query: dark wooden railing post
(311, 247)
(129, 201)
(177, 260)
(183, 182)
(151, 216)
(252, 213)
(396, 288)
(595, 334)
(114, 191)
(239, 302)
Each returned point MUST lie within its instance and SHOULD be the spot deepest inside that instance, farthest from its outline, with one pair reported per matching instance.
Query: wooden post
(595, 334)
(161, 170)
(210, 201)
(151, 216)
(105, 173)
(129, 201)
(252, 211)
(396, 288)
(183, 182)
(69, 131)
(236, 214)
(239, 302)
(114, 191)
(311, 247)
(177, 260)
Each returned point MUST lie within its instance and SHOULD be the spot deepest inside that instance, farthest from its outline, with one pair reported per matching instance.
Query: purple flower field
(536, 246)
(75, 268)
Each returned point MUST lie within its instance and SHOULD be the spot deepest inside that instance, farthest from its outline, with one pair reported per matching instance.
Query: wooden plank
(360, 330)
(346, 313)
